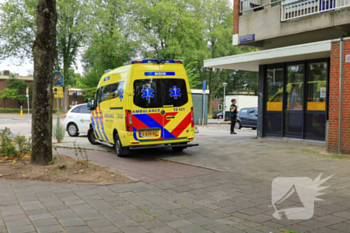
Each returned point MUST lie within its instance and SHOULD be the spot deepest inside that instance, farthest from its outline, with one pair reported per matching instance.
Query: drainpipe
(340, 122)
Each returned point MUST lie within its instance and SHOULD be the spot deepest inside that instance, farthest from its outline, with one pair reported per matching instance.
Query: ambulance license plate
(149, 134)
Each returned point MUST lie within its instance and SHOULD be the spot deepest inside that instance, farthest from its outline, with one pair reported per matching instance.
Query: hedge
(17, 110)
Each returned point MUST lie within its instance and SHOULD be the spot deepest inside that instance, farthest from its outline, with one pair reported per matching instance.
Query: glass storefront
(296, 99)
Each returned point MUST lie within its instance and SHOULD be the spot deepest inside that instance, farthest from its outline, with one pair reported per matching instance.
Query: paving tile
(179, 223)
(50, 229)
(15, 217)
(45, 222)
(72, 222)
(21, 229)
(137, 229)
(78, 229)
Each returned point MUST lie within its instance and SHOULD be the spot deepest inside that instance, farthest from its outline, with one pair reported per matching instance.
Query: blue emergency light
(151, 61)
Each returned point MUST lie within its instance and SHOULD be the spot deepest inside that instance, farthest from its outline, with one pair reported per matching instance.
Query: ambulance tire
(253, 128)
(119, 149)
(92, 138)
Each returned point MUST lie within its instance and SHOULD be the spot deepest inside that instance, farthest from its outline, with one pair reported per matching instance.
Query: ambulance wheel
(178, 149)
(91, 137)
(72, 130)
(253, 128)
(119, 149)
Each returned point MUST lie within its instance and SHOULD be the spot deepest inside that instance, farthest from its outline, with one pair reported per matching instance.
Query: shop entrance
(296, 99)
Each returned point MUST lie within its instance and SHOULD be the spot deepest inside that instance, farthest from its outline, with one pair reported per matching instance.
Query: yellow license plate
(149, 134)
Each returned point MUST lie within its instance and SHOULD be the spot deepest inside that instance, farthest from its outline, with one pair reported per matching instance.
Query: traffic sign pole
(58, 81)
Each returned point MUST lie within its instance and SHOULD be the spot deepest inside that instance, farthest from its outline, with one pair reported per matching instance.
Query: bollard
(21, 113)
(199, 121)
(218, 121)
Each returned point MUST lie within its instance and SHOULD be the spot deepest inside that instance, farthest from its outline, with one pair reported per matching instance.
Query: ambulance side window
(112, 91)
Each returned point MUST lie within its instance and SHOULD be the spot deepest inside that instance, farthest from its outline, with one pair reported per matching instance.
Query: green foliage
(62, 166)
(20, 86)
(89, 92)
(111, 41)
(81, 154)
(8, 94)
(13, 147)
(58, 132)
(53, 160)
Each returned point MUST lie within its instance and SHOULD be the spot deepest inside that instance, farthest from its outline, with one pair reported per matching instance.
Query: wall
(198, 108)
(215, 104)
(334, 99)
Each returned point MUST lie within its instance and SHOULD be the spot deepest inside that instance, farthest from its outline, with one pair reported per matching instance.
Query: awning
(251, 61)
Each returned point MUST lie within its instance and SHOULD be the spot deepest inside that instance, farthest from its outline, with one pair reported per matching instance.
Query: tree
(71, 31)
(44, 51)
(7, 94)
(20, 87)
(112, 38)
(18, 33)
(89, 93)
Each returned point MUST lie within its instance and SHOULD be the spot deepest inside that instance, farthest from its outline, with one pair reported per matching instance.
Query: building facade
(303, 63)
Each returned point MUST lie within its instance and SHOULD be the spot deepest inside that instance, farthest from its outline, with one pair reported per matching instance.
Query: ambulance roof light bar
(152, 61)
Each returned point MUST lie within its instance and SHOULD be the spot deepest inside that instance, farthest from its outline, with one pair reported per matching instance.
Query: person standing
(233, 110)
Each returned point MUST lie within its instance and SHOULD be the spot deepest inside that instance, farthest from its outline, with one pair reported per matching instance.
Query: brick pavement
(235, 200)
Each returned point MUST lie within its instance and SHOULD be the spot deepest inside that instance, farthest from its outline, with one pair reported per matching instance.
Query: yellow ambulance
(143, 104)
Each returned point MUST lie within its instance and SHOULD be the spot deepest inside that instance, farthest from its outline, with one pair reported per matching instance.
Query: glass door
(274, 101)
(315, 116)
(293, 116)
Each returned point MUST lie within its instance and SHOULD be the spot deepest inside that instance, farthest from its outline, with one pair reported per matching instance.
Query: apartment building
(303, 63)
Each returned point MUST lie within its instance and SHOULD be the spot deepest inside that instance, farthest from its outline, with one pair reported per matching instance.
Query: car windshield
(156, 93)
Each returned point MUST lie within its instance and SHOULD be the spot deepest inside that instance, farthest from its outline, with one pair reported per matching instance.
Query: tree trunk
(44, 50)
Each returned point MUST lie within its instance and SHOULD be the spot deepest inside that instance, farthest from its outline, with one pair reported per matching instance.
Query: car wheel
(253, 128)
(119, 149)
(238, 125)
(220, 117)
(73, 130)
(92, 138)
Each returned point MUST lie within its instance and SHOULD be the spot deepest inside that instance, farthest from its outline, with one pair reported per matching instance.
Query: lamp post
(223, 105)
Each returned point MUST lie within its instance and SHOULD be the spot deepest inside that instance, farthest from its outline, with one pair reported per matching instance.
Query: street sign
(58, 79)
(58, 92)
(27, 92)
(204, 85)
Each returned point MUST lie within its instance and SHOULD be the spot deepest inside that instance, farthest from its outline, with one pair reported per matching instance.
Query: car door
(243, 115)
(85, 119)
(252, 119)
(75, 115)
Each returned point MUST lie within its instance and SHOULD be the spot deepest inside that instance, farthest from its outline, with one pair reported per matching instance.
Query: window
(76, 110)
(295, 87)
(220, 107)
(317, 87)
(244, 112)
(253, 112)
(156, 93)
(83, 109)
(275, 89)
(112, 91)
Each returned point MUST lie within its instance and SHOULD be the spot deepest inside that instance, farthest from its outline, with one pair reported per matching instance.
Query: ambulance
(143, 104)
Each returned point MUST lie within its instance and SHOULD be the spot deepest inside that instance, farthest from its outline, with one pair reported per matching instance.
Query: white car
(77, 120)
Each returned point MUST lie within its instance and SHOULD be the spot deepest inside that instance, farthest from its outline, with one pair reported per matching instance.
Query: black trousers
(233, 122)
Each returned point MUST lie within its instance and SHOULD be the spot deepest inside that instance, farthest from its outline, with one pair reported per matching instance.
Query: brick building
(3, 83)
(303, 63)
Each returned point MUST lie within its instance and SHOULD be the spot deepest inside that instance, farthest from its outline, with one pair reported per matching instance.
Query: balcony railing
(302, 8)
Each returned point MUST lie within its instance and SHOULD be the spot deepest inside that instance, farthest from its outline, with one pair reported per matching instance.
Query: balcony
(294, 9)
(270, 24)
